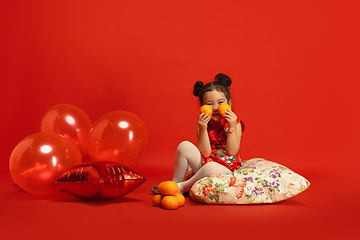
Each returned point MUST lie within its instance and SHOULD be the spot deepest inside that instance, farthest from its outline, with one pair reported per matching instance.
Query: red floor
(324, 211)
(295, 66)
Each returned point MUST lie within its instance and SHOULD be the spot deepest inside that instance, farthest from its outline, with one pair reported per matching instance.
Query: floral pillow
(257, 181)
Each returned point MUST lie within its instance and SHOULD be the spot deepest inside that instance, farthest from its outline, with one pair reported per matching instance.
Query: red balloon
(99, 181)
(119, 137)
(39, 159)
(69, 121)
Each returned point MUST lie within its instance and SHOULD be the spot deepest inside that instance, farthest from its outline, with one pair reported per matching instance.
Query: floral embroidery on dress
(217, 136)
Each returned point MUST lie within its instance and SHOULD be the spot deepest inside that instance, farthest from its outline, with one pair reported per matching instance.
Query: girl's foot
(154, 190)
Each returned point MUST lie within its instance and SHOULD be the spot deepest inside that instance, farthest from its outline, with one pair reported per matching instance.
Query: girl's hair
(221, 84)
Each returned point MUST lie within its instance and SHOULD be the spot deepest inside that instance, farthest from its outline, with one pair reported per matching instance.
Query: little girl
(218, 138)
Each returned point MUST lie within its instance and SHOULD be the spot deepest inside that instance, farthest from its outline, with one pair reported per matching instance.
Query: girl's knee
(211, 166)
(185, 146)
(215, 168)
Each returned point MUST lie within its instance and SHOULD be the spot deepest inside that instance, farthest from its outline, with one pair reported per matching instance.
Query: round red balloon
(69, 121)
(39, 159)
(119, 137)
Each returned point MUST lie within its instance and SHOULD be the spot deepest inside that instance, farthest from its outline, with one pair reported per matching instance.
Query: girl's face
(214, 98)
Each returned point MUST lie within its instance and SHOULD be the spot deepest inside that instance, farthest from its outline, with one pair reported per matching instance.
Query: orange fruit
(223, 107)
(170, 202)
(159, 188)
(206, 109)
(181, 199)
(168, 188)
(157, 200)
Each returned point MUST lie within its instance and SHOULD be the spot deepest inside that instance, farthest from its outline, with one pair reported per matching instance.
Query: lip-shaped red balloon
(99, 181)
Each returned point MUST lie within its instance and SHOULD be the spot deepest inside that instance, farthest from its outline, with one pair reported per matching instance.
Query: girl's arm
(202, 135)
(234, 134)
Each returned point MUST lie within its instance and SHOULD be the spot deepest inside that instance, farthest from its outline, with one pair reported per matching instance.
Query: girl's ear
(230, 102)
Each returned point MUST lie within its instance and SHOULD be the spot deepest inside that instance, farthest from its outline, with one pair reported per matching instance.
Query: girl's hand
(203, 121)
(231, 117)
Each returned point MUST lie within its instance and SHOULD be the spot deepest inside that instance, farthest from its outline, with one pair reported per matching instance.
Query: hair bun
(197, 88)
(223, 79)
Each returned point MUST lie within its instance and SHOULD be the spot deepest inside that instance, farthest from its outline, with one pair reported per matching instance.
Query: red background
(296, 81)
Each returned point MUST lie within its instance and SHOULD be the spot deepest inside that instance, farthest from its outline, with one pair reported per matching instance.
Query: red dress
(218, 131)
